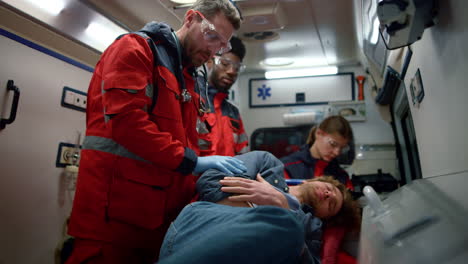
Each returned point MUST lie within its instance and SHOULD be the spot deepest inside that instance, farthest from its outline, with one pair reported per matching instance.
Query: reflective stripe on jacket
(223, 132)
(134, 175)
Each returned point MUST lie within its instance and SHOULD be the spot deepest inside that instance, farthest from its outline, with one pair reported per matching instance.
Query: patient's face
(327, 199)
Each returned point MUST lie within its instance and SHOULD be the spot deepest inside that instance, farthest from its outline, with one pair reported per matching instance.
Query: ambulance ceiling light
(103, 34)
(375, 31)
(183, 2)
(190, 2)
(301, 72)
(53, 7)
(277, 61)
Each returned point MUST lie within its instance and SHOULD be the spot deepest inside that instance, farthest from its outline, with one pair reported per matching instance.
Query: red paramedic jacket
(134, 175)
(223, 131)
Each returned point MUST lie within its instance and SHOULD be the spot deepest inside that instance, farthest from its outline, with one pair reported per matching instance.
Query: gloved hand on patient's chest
(226, 164)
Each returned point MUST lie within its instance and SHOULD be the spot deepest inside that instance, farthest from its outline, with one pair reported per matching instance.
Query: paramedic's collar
(213, 90)
(308, 159)
(186, 63)
(159, 31)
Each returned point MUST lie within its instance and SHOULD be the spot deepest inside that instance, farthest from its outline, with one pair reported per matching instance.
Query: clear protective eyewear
(212, 37)
(335, 145)
(225, 63)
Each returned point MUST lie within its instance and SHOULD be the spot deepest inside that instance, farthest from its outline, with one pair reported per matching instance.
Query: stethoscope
(185, 96)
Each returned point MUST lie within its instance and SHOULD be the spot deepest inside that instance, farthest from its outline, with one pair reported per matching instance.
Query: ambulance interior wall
(441, 119)
(374, 130)
(34, 198)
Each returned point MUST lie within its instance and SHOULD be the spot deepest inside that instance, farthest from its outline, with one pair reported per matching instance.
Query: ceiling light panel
(53, 7)
(301, 72)
(46, 11)
(183, 2)
(101, 33)
(93, 30)
(278, 61)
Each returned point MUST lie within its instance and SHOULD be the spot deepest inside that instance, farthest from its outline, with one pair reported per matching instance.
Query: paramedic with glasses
(318, 157)
(141, 150)
(222, 132)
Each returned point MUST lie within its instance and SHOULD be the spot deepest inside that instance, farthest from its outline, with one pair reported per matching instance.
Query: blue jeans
(206, 232)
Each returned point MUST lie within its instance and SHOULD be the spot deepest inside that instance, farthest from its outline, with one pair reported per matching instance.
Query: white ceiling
(313, 33)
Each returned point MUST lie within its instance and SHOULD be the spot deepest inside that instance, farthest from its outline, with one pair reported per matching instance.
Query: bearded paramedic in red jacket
(141, 142)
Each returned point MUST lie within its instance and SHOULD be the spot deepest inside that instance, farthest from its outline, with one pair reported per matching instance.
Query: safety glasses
(225, 64)
(335, 145)
(212, 37)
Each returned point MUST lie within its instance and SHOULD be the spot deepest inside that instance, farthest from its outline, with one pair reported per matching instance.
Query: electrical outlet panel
(67, 154)
(74, 99)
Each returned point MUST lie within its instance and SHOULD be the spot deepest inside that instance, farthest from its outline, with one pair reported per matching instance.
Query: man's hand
(226, 164)
(259, 192)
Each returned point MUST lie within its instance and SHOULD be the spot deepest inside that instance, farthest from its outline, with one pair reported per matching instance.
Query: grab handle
(14, 107)
(373, 200)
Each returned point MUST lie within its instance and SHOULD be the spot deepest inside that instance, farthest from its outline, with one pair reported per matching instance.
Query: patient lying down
(256, 218)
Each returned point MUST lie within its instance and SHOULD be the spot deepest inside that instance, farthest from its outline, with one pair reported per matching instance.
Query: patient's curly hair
(349, 215)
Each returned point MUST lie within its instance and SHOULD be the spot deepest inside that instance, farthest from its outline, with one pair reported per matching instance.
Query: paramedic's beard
(197, 56)
(225, 85)
(216, 80)
(202, 56)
